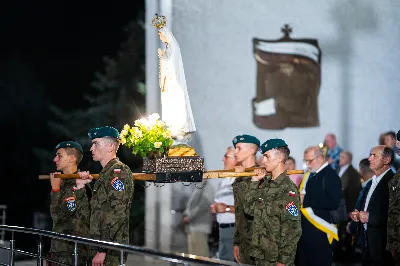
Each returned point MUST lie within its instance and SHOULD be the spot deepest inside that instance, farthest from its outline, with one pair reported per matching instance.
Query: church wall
(360, 82)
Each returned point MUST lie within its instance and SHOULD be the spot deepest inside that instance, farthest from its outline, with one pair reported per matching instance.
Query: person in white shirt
(223, 207)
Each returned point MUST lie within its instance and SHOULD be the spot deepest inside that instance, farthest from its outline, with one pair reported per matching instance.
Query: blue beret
(272, 144)
(245, 139)
(398, 135)
(100, 132)
(69, 144)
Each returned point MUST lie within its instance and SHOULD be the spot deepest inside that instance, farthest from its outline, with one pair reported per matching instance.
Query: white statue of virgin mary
(176, 109)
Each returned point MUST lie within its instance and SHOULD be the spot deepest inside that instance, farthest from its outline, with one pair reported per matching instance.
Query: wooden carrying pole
(152, 177)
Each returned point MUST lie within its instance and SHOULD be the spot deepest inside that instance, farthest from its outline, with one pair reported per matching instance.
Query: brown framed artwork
(288, 82)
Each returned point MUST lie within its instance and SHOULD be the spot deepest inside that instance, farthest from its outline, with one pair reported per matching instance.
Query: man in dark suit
(366, 174)
(351, 180)
(372, 216)
(321, 193)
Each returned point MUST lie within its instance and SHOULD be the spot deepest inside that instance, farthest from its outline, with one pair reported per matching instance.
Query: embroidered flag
(292, 193)
(117, 184)
(71, 203)
(117, 171)
(292, 209)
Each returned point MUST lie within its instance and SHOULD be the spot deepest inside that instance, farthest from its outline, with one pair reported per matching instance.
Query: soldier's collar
(280, 178)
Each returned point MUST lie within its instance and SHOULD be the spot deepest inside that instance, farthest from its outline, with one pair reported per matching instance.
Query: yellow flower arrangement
(148, 135)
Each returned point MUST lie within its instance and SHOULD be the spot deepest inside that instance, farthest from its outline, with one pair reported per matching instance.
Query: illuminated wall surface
(360, 87)
(358, 97)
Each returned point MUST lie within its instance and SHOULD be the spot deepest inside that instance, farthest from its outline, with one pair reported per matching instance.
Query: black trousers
(310, 254)
(368, 261)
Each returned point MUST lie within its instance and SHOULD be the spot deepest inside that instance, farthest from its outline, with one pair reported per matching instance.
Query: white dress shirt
(375, 182)
(322, 167)
(225, 195)
(343, 169)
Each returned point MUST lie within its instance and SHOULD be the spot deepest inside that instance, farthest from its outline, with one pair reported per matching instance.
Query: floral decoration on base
(149, 137)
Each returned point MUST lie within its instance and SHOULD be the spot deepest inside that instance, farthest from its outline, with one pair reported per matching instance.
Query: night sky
(65, 41)
(50, 50)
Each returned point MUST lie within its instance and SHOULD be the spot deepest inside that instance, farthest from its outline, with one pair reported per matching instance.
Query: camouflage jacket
(111, 204)
(276, 226)
(69, 210)
(393, 223)
(242, 223)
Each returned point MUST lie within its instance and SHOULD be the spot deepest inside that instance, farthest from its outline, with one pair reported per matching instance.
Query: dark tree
(118, 99)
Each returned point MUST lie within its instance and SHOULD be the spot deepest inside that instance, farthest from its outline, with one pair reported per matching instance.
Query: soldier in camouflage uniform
(393, 223)
(69, 207)
(246, 147)
(274, 203)
(112, 196)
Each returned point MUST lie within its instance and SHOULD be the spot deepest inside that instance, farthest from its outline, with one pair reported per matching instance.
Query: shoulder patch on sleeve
(117, 184)
(292, 194)
(71, 203)
(292, 209)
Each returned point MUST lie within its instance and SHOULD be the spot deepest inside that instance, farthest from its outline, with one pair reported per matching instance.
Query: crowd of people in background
(352, 195)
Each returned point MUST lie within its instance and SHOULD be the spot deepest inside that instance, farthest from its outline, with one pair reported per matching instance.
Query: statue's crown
(159, 21)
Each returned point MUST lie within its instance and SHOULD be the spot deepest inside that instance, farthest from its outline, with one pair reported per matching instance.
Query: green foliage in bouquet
(147, 136)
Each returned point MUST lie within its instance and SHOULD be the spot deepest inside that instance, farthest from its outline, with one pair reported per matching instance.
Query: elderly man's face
(229, 159)
(313, 162)
(344, 159)
(376, 159)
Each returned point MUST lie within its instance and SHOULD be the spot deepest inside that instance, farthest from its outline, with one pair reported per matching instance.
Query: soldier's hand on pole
(260, 174)
(85, 175)
(55, 182)
(239, 169)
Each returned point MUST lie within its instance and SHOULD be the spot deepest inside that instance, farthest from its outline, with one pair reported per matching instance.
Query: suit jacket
(377, 220)
(321, 202)
(198, 210)
(351, 185)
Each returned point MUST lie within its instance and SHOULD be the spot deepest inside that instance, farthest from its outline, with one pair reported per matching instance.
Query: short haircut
(76, 153)
(113, 141)
(364, 166)
(285, 152)
(391, 133)
(388, 153)
(316, 150)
